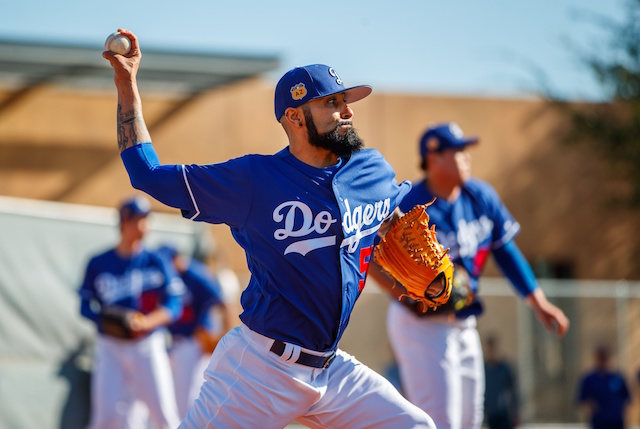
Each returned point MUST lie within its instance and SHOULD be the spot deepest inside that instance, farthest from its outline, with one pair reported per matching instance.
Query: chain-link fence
(547, 368)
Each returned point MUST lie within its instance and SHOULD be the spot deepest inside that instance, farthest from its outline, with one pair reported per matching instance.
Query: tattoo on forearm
(131, 129)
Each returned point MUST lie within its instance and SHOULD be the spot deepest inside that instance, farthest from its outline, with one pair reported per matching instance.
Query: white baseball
(117, 43)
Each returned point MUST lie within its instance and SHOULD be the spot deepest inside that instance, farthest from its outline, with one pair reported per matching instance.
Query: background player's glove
(411, 254)
(118, 321)
(208, 341)
(461, 294)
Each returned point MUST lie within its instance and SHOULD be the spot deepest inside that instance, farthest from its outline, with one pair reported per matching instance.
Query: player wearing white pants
(439, 355)
(248, 386)
(188, 364)
(131, 365)
(196, 333)
(126, 369)
(446, 376)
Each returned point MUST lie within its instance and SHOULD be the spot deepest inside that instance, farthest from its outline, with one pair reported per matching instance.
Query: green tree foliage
(612, 128)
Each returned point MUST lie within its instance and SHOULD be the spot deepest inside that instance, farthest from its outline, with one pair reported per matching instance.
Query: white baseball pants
(247, 386)
(128, 371)
(188, 364)
(441, 365)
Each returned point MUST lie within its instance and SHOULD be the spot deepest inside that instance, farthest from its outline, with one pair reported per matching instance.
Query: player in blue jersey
(306, 218)
(603, 394)
(501, 390)
(439, 353)
(127, 370)
(197, 332)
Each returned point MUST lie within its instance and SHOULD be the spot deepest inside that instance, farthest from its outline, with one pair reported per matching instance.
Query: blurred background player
(127, 370)
(439, 353)
(197, 332)
(501, 393)
(603, 394)
(217, 260)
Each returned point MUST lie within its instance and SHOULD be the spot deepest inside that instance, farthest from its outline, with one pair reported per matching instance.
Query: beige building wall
(60, 144)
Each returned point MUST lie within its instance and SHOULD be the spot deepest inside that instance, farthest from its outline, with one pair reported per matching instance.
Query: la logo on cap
(298, 91)
(456, 130)
(333, 73)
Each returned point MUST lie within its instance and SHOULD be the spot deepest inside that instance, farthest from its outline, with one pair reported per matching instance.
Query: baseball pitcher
(306, 218)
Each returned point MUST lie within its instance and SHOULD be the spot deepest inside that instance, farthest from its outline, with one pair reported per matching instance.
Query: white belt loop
(296, 354)
(290, 355)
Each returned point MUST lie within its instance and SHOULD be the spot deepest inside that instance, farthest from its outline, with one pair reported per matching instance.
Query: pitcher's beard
(341, 145)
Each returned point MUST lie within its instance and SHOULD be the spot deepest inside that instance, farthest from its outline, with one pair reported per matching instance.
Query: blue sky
(458, 47)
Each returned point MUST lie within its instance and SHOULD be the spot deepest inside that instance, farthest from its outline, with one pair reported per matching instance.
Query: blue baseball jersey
(202, 291)
(142, 282)
(471, 226)
(307, 232)
(608, 392)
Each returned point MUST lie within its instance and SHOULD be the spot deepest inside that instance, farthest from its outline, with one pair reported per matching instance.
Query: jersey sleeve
(625, 390)
(401, 189)
(516, 268)
(380, 179)
(209, 292)
(213, 289)
(584, 390)
(87, 292)
(174, 289)
(418, 194)
(214, 193)
(162, 182)
(218, 193)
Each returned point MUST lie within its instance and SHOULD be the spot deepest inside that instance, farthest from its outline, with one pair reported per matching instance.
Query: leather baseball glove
(412, 255)
(461, 296)
(117, 322)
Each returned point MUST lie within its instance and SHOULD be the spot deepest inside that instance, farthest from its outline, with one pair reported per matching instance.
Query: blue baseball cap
(444, 136)
(137, 206)
(306, 83)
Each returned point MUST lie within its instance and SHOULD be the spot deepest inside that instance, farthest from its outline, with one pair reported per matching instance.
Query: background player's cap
(444, 136)
(137, 206)
(306, 83)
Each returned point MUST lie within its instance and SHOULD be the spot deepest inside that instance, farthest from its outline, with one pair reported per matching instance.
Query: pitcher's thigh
(244, 388)
(357, 397)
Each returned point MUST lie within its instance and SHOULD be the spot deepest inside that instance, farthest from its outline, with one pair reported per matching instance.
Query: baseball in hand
(117, 43)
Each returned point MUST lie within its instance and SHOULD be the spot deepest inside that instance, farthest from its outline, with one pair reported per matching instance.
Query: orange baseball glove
(412, 255)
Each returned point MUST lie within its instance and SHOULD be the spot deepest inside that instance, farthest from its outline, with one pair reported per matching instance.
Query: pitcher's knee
(429, 423)
(421, 420)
